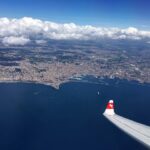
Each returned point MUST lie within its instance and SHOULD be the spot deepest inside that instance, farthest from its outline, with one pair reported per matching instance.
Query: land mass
(59, 61)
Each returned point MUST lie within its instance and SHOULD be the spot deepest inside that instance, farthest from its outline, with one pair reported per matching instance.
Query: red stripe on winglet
(110, 106)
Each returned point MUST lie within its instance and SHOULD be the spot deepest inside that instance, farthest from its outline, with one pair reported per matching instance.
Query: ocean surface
(39, 117)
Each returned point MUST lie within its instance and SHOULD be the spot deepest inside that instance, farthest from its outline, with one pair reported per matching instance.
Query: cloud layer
(12, 40)
(24, 30)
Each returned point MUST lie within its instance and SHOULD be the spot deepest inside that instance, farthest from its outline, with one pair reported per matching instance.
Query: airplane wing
(136, 130)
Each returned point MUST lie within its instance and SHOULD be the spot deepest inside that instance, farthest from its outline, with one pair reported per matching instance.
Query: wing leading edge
(136, 130)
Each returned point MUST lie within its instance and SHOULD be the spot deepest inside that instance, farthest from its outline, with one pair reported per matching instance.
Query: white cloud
(148, 42)
(40, 41)
(21, 31)
(15, 40)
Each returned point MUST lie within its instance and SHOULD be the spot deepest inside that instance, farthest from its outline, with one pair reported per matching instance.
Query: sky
(105, 13)
(26, 21)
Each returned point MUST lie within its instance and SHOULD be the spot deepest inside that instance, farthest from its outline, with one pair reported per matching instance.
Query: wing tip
(109, 108)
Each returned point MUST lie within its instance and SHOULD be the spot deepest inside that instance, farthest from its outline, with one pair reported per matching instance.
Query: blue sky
(106, 13)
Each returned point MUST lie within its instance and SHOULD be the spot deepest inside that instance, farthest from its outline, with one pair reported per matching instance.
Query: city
(57, 63)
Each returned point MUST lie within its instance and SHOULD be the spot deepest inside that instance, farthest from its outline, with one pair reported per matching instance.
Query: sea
(39, 117)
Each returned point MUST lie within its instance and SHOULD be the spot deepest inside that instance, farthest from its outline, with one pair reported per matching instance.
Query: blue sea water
(38, 117)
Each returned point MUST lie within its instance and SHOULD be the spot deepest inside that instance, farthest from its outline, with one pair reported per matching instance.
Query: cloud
(148, 42)
(15, 40)
(40, 41)
(21, 31)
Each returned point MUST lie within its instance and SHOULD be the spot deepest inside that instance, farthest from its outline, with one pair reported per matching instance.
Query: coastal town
(55, 64)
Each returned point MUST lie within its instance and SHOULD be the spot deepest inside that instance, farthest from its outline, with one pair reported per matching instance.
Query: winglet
(110, 108)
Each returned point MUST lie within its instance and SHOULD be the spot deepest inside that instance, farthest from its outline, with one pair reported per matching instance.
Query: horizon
(110, 13)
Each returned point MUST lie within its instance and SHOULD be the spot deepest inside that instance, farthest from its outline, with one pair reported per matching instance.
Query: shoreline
(57, 86)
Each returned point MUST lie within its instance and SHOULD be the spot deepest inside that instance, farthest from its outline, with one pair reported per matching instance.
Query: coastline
(81, 78)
